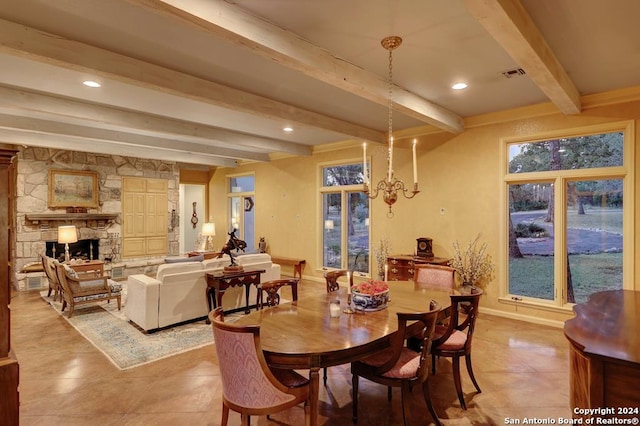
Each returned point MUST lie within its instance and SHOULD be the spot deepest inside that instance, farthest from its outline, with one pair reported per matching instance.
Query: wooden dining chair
(271, 289)
(434, 276)
(249, 386)
(331, 279)
(454, 340)
(399, 366)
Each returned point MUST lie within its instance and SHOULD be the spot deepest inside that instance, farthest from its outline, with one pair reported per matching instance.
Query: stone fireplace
(100, 228)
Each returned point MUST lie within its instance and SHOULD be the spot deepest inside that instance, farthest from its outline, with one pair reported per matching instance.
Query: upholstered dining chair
(331, 279)
(271, 288)
(399, 366)
(249, 386)
(54, 284)
(454, 340)
(77, 290)
(434, 276)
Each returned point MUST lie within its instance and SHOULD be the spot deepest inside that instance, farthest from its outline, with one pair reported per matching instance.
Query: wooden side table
(219, 282)
(95, 267)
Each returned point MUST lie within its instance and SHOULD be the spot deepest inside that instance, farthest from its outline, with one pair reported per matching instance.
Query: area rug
(125, 345)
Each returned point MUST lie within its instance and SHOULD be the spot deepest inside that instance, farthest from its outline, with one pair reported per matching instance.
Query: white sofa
(177, 293)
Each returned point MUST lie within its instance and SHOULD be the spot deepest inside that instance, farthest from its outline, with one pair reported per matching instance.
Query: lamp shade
(67, 234)
(209, 228)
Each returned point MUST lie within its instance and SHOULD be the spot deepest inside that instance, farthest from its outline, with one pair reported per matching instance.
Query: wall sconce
(175, 219)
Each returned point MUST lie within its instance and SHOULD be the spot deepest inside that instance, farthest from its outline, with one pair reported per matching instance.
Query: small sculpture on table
(234, 244)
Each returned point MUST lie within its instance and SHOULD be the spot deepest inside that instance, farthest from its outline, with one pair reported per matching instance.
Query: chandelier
(390, 186)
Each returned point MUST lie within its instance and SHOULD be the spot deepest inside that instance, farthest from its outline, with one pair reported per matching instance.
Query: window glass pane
(249, 216)
(235, 209)
(582, 152)
(358, 232)
(594, 237)
(242, 184)
(331, 218)
(531, 239)
(347, 174)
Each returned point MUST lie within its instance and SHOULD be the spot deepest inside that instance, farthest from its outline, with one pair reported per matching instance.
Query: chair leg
(225, 415)
(404, 396)
(324, 376)
(354, 389)
(467, 359)
(427, 399)
(389, 393)
(433, 364)
(456, 380)
(49, 292)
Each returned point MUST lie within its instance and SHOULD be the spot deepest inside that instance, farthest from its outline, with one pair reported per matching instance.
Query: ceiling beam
(286, 48)
(26, 42)
(8, 121)
(511, 26)
(38, 105)
(70, 143)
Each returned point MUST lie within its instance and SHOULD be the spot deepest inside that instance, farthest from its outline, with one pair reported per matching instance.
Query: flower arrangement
(473, 264)
(382, 253)
(370, 287)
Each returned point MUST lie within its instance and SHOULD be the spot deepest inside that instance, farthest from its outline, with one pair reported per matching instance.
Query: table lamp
(67, 234)
(209, 230)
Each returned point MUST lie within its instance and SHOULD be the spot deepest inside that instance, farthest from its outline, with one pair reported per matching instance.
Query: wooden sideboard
(604, 354)
(401, 265)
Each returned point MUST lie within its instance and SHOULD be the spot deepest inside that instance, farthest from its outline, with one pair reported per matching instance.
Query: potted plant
(473, 265)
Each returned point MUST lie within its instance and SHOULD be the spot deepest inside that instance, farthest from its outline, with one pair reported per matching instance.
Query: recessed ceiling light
(459, 86)
(91, 83)
(288, 129)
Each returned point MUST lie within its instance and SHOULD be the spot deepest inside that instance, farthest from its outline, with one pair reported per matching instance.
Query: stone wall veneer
(33, 165)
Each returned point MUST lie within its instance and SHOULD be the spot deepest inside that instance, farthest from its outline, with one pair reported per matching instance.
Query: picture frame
(70, 188)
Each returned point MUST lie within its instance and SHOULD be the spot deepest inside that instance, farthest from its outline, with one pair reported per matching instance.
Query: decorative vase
(370, 302)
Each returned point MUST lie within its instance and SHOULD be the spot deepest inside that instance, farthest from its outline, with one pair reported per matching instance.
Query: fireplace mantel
(44, 218)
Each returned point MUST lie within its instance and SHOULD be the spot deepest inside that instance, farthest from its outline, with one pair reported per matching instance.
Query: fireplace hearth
(88, 249)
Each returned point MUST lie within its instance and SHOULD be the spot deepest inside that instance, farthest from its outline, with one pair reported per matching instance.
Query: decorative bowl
(370, 296)
(370, 302)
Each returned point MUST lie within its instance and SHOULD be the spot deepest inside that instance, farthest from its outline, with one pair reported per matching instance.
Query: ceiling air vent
(513, 73)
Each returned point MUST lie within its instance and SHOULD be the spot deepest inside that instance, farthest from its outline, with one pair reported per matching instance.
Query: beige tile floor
(521, 368)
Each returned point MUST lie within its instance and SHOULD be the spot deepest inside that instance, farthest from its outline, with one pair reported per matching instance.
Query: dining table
(303, 335)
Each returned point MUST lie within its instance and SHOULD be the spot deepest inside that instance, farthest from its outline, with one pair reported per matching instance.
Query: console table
(401, 265)
(219, 282)
(604, 353)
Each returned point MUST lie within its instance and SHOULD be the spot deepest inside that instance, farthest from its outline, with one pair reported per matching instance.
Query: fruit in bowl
(370, 295)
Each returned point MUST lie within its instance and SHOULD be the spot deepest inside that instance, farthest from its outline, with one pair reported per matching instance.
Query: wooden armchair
(399, 366)
(249, 386)
(77, 290)
(270, 288)
(454, 340)
(54, 283)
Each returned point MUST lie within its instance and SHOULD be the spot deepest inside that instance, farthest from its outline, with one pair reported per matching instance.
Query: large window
(242, 212)
(345, 218)
(565, 216)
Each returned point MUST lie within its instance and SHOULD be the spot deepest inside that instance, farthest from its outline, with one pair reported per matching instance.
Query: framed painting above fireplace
(70, 188)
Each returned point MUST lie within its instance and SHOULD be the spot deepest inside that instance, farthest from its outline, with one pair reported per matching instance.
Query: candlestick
(364, 163)
(348, 282)
(386, 272)
(415, 163)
